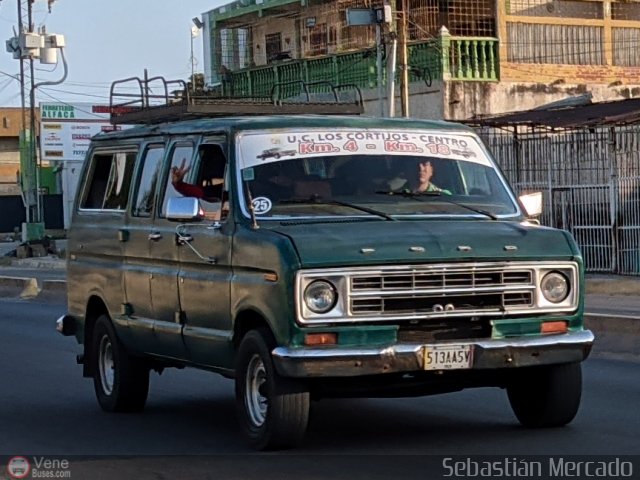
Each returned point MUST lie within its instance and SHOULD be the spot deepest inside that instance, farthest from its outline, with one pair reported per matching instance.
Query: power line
(70, 104)
(74, 93)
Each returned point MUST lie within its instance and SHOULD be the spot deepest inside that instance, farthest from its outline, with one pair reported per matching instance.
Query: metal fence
(590, 181)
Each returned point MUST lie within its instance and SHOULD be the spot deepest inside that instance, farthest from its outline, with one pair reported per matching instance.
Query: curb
(44, 263)
(54, 285)
(616, 335)
(30, 287)
(613, 286)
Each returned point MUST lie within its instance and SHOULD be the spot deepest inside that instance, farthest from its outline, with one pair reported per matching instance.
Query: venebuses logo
(18, 467)
(38, 467)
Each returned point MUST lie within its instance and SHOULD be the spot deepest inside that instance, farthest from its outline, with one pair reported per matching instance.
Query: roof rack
(154, 100)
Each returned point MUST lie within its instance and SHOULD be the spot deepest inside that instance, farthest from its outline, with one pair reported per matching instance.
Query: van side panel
(95, 265)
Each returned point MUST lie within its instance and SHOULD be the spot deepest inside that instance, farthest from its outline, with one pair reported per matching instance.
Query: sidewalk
(31, 276)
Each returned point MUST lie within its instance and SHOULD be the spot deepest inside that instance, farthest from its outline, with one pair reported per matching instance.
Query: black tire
(121, 381)
(547, 396)
(273, 411)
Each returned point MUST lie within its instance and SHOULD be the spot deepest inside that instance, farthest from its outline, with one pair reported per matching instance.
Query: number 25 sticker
(261, 205)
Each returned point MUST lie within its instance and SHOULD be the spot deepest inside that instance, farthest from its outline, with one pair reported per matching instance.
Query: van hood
(416, 241)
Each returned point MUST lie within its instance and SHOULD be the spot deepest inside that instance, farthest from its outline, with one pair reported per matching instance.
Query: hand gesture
(178, 173)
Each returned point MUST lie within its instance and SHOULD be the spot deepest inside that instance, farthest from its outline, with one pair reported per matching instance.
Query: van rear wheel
(273, 411)
(121, 382)
(547, 396)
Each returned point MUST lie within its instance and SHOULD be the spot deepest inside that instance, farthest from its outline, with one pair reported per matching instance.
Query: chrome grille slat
(440, 291)
(472, 278)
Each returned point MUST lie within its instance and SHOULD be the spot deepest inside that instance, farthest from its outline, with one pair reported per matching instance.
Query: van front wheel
(273, 411)
(547, 396)
(121, 381)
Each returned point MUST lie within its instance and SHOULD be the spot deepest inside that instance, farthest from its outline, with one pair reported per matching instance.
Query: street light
(195, 31)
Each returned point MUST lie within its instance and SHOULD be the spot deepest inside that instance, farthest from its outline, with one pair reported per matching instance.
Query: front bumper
(488, 354)
(66, 325)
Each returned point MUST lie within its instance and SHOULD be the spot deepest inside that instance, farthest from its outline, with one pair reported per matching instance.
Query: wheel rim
(255, 402)
(105, 365)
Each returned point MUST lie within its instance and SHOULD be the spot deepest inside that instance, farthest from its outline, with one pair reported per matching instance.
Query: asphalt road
(47, 408)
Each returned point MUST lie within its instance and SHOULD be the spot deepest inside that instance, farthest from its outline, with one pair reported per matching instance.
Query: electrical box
(384, 14)
(13, 47)
(30, 44)
(55, 40)
(29, 41)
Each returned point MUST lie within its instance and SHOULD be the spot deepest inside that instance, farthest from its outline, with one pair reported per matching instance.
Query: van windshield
(355, 173)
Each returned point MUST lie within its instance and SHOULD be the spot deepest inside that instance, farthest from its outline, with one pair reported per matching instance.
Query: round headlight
(320, 296)
(555, 287)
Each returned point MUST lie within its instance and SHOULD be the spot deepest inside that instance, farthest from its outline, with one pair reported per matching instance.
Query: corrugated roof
(619, 112)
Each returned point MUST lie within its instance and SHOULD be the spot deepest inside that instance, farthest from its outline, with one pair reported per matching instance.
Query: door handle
(155, 236)
(182, 239)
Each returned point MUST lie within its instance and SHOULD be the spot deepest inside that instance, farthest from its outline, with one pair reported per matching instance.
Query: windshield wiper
(421, 195)
(319, 201)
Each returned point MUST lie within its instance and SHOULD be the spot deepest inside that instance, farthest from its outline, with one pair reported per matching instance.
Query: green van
(317, 255)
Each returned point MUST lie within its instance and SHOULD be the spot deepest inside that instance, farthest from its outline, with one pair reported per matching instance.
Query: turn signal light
(271, 277)
(553, 327)
(311, 339)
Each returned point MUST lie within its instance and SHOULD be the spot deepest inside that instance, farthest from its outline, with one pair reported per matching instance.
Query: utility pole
(28, 150)
(22, 96)
(37, 216)
(28, 45)
(392, 74)
(379, 67)
(404, 79)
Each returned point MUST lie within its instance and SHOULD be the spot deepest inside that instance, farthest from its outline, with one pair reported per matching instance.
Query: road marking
(629, 317)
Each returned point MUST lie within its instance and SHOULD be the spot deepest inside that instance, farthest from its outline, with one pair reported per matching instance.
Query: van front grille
(441, 292)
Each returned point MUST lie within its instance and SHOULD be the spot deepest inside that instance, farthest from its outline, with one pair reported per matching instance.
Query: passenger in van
(209, 191)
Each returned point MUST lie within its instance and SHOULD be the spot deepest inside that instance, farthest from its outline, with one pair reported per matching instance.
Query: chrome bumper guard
(66, 325)
(487, 354)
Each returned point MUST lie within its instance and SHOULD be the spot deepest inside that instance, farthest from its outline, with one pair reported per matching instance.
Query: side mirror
(184, 209)
(532, 203)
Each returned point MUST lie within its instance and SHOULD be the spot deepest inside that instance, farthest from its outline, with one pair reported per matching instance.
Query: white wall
(70, 178)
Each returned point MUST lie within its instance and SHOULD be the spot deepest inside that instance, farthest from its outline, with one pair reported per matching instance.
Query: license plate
(448, 357)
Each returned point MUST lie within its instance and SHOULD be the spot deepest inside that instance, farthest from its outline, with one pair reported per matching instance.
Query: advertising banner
(66, 129)
(259, 148)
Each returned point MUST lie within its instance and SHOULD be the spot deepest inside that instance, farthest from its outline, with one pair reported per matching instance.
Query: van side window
(211, 179)
(151, 171)
(181, 153)
(109, 180)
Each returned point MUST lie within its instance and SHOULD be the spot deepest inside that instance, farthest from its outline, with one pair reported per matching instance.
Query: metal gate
(590, 180)
(586, 212)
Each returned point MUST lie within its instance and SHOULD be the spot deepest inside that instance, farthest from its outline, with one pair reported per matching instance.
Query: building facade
(10, 126)
(492, 56)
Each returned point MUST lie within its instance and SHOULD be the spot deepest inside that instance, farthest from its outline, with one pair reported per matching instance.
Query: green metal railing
(473, 58)
(442, 58)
